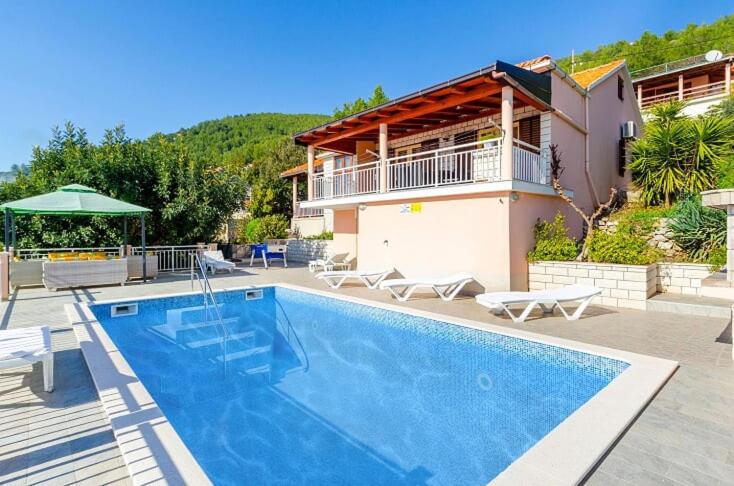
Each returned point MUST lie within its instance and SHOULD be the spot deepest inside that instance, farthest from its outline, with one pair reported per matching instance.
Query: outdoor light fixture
(514, 196)
(362, 207)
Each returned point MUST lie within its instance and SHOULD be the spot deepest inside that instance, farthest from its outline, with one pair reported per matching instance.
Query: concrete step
(693, 305)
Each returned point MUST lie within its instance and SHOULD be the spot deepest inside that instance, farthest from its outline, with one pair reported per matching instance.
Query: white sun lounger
(21, 347)
(332, 261)
(445, 287)
(371, 278)
(547, 300)
(214, 260)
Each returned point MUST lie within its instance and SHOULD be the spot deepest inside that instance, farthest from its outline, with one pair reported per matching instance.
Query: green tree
(270, 193)
(651, 49)
(190, 199)
(679, 154)
(349, 108)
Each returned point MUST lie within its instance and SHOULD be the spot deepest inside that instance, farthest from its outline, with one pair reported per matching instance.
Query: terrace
(695, 80)
(487, 127)
(683, 437)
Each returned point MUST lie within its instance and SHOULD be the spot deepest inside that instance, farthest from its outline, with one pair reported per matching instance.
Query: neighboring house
(701, 81)
(453, 177)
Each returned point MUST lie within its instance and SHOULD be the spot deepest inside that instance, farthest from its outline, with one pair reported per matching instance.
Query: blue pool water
(314, 390)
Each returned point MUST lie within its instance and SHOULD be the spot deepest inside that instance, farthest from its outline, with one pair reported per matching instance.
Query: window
(342, 161)
(620, 88)
(529, 130)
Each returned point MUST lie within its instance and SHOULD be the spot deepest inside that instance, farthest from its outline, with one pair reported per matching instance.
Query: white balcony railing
(349, 181)
(458, 164)
(308, 212)
(692, 93)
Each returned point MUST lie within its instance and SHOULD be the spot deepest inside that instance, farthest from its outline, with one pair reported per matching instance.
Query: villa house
(701, 81)
(453, 177)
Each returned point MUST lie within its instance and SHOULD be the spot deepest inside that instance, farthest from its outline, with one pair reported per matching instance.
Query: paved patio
(685, 436)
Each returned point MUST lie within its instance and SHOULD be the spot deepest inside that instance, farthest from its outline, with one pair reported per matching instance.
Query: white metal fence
(41, 253)
(171, 258)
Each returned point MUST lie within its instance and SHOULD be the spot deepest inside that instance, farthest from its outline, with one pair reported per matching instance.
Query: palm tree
(679, 154)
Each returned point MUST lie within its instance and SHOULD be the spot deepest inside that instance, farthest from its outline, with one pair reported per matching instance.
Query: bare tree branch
(556, 171)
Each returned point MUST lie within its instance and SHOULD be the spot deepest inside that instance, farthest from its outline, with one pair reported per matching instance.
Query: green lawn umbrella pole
(73, 200)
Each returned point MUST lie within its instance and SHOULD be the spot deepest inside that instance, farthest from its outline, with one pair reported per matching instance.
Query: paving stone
(685, 436)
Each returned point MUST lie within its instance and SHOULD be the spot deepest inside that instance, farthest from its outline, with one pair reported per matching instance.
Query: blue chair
(269, 252)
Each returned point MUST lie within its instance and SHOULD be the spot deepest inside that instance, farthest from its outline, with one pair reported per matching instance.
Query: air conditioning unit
(629, 130)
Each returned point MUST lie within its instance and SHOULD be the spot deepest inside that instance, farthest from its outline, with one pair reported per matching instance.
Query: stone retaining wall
(622, 285)
(681, 278)
(305, 250)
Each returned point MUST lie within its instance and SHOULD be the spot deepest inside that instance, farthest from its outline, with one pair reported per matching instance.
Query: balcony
(687, 94)
(468, 163)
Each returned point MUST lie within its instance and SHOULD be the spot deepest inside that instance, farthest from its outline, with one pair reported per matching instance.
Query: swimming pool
(307, 388)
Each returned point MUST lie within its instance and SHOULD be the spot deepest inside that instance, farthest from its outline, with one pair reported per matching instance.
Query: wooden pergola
(455, 101)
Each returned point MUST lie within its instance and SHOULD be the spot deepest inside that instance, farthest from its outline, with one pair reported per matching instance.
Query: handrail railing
(347, 181)
(208, 293)
(455, 164)
(691, 93)
(465, 163)
(308, 212)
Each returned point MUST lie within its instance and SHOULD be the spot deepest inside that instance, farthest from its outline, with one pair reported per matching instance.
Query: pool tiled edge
(153, 450)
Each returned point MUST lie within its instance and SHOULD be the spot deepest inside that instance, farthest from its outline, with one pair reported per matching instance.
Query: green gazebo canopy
(73, 199)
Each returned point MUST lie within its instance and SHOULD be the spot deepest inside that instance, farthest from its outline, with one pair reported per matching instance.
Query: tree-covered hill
(241, 139)
(651, 49)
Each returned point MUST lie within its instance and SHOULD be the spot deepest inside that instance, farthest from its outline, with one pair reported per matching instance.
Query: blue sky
(162, 65)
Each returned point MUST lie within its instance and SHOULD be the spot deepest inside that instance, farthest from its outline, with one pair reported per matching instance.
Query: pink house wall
(606, 116)
(447, 235)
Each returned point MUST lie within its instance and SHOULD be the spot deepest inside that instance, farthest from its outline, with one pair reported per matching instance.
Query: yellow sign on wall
(411, 208)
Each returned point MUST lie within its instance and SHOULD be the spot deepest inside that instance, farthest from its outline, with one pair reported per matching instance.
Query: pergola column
(727, 78)
(639, 95)
(680, 87)
(311, 152)
(507, 132)
(383, 157)
(142, 244)
(294, 195)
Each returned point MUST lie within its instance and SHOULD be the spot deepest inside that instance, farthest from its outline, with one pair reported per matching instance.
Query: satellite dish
(714, 55)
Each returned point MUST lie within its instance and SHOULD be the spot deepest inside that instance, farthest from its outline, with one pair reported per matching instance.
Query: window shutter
(622, 157)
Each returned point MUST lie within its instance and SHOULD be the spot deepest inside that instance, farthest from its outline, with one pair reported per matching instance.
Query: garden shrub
(324, 235)
(624, 246)
(272, 227)
(717, 258)
(552, 242)
(698, 230)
